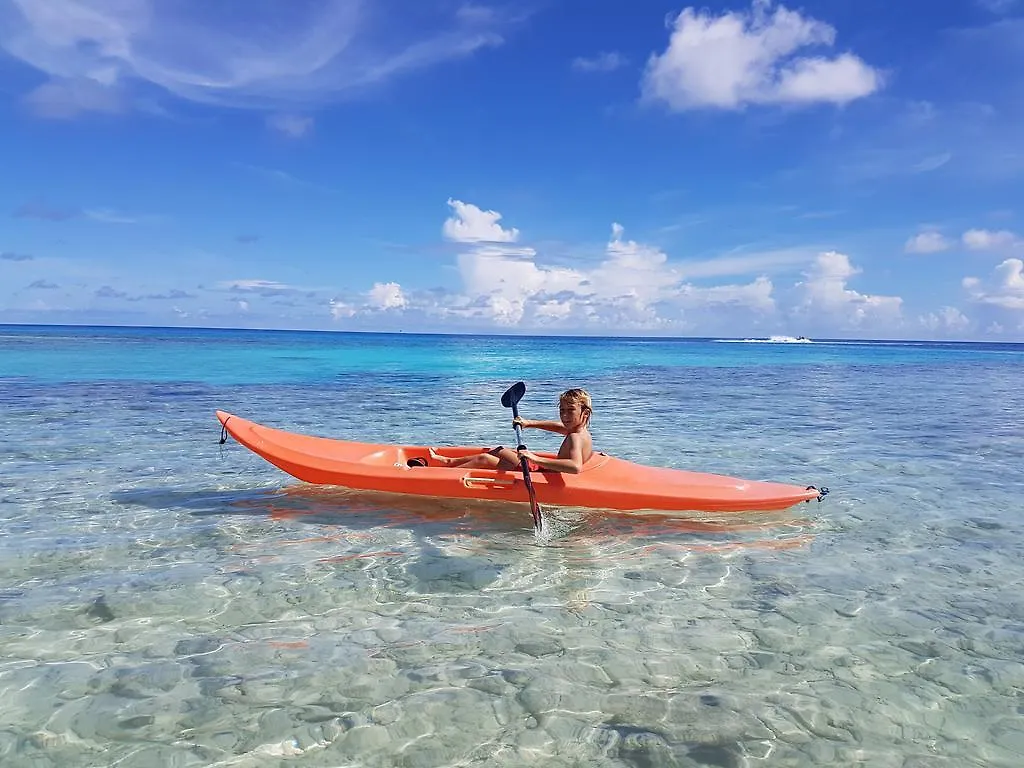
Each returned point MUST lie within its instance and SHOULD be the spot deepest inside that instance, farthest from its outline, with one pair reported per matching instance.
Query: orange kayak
(605, 482)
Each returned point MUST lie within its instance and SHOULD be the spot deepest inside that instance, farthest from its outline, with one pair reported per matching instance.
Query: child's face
(571, 414)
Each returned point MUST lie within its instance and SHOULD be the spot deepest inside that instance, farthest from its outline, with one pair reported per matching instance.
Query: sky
(740, 169)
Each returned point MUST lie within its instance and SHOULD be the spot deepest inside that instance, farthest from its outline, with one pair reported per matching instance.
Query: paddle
(511, 400)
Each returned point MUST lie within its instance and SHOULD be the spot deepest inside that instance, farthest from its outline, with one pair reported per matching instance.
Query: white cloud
(933, 162)
(469, 224)
(66, 99)
(607, 61)
(633, 286)
(746, 263)
(341, 309)
(387, 296)
(1005, 289)
(988, 240)
(292, 126)
(270, 56)
(255, 285)
(825, 292)
(998, 6)
(742, 58)
(928, 242)
(947, 319)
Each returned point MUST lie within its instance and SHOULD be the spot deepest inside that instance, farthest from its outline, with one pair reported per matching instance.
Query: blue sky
(540, 166)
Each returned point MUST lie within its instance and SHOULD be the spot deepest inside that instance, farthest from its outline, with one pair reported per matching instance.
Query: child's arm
(550, 426)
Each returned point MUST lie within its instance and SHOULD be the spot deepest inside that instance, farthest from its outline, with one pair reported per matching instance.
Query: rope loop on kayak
(223, 434)
(822, 492)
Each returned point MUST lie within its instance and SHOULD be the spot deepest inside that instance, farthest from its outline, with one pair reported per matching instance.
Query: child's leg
(503, 458)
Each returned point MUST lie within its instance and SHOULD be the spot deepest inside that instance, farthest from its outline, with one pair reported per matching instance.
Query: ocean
(166, 600)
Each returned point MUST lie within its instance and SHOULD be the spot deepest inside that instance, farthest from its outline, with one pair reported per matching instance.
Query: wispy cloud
(106, 292)
(999, 6)
(67, 98)
(292, 126)
(110, 216)
(45, 212)
(264, 288)
(741, 58)
(98, 52)
(42, 285)
(747, 264)
(173, 294)
(281, 177)
(247, 239)
(606, 61)
(933, 163)
(10, 256)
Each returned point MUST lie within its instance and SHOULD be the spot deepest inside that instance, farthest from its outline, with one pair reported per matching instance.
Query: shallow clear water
(165, 600)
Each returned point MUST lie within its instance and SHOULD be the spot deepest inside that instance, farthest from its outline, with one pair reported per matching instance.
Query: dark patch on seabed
(645, 748)
(99, 611)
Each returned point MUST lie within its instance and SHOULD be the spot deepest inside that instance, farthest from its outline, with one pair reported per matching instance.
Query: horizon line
(506, 335)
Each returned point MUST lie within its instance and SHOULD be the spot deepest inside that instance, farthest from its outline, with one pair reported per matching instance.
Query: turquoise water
(165, 600)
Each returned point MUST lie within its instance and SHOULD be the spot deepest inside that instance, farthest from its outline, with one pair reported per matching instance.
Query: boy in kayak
(574, 410)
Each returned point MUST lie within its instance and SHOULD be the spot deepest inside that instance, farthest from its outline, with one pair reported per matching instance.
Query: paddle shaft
(525, 464)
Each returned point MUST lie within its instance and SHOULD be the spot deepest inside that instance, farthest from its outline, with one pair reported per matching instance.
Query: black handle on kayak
(511, 400)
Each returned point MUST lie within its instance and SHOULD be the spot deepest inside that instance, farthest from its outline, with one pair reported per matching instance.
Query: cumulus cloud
(927, 242)
(741, 58)
(988, 240)
(341, 310)
(606, 61)
(98, 53)
(387, 296)
(634, 285)
(825, 291)
(1004, 289)
(469, 224)
(947, 319)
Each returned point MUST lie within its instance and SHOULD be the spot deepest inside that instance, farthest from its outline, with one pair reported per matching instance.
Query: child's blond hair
(580, 396)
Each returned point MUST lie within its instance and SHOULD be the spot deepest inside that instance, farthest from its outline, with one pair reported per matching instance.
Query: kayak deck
(605, 482)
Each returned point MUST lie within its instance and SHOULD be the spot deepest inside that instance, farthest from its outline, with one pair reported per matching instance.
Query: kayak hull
(605, 482)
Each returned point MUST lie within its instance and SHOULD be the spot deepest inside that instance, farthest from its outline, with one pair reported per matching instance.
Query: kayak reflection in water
(574, 411)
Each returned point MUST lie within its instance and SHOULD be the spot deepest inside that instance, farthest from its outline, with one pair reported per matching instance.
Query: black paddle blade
(513, 394)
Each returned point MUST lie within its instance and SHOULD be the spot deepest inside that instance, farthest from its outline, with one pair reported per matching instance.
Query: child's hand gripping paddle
(511, 400)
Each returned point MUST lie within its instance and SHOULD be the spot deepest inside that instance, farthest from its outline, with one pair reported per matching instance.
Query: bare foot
(444, 461)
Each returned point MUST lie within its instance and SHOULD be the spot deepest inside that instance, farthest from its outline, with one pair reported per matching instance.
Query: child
(574, 410)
